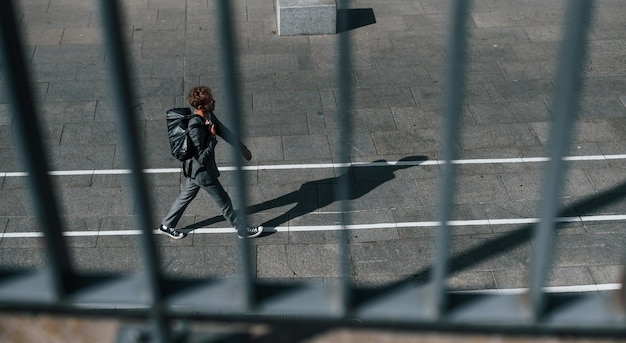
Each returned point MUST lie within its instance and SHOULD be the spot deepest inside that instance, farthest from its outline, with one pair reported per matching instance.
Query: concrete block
(306, 17)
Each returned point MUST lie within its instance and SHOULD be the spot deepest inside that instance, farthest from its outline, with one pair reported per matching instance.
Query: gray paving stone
(82, 35)
(490, 252)
(527, 186)
(77, 134)
(393, 76)
(41, 36)
(482, 53)
(141, 16)
(71, 111)
(505, 135)
(300, 80)
(370, 119)
(370, 195)
(97, 201)
(605, 228)
(198, 261)
(475, 72)
(570, 276)
(510, 112)
(603, 179)
(275, 124)
(87, 157)
(606, 274)
(421, 117)
(383, 97)
(378, 40)
(19, 205)
(588, 250)
(261, 63)
(22, 258)
(406, 142)
(472, 280)
(286, 101)
(604, 86)
(481, 189)
(306, 147)
(516, 71)
(546, 33)
(403, 257)
(360, 144)
(310, 260)
(516, 278)
(422, 55)
(521, 90)
(77, 90)
(518, 18)
(107, 260)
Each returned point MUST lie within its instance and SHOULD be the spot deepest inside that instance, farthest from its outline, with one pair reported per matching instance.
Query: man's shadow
(314, 195)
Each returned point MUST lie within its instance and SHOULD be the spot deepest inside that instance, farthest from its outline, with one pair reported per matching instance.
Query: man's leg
(217, 192)
(188, 193)
(221, 198)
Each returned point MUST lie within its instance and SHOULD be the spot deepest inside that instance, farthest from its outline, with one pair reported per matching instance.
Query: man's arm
(205, 147)
(224, 132)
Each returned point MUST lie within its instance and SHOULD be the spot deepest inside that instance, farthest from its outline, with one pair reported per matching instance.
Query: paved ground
(289, 103)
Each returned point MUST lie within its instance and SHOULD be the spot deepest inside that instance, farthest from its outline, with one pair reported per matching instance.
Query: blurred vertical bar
(452, 110)
(123, 95)
(31, 150)
(345, 99)
(228, 58)
(569, 80)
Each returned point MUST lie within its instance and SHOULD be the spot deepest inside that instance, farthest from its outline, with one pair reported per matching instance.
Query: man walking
(201, 170)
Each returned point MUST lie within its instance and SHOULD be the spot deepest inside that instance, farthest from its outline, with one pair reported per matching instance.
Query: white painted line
(603, 218)
(21, 234)
(336, 227)
(551, 289)
(331, 165)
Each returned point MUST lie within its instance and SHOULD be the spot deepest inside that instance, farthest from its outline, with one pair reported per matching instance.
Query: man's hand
(211, 127)
(246, 154)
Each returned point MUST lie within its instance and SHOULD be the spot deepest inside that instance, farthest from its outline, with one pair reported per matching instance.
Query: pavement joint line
(336, 227)
(328, 165)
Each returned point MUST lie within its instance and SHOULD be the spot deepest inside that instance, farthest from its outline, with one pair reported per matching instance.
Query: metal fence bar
(572, 59)
(345, 101)
(228, 58)
(452, 110)
(129, 137)
(32, 151)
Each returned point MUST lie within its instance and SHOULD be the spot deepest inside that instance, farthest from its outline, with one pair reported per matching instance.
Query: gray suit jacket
(202, 167)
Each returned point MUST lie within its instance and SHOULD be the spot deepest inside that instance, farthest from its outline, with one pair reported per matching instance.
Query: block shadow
(350, 19)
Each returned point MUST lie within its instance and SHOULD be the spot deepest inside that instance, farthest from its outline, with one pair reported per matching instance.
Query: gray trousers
(189, 192)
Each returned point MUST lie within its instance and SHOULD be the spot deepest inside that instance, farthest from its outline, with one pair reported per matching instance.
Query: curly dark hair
(200, 97)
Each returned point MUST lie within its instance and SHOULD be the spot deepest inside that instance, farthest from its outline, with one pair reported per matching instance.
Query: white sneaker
(170, 231)
(250, 232)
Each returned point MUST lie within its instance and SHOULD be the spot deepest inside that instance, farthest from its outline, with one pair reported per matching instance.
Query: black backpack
(181, 145)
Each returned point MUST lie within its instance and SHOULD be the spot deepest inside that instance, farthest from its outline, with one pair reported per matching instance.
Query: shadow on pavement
(350, 19)
(501, 245)
(310, 197)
